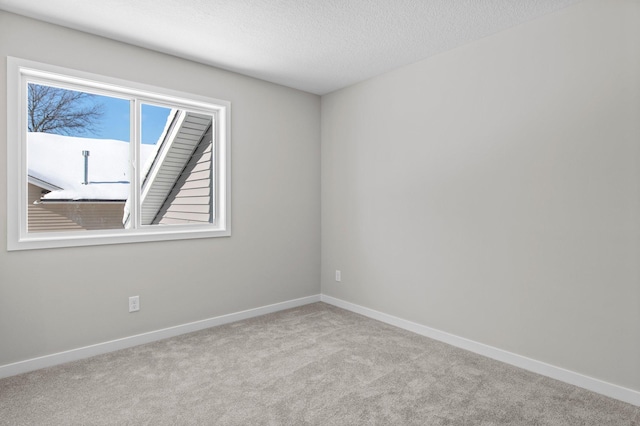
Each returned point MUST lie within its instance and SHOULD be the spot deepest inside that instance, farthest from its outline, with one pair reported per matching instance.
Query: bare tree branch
(62, 111)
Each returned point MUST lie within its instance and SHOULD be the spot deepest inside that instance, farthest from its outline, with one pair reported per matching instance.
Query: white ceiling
(313, 45)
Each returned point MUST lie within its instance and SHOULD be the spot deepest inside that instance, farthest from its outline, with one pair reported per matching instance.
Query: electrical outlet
(134, 303)
(338, 276)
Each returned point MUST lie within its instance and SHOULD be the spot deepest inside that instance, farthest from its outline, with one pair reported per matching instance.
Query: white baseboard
(595, 385)
(140, 339)
(604, 388)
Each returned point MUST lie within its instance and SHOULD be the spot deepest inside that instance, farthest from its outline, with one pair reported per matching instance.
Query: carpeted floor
(315, 364)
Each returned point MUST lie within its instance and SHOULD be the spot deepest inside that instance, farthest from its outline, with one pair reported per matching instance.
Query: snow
(58, 160)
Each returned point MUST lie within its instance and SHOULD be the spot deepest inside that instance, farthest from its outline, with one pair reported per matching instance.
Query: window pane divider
(187, 224)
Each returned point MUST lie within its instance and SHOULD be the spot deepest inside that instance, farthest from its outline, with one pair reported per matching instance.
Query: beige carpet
(315, 365)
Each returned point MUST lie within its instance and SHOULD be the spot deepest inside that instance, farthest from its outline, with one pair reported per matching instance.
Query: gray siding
(71, 216)
(190, 198)
(173, 159)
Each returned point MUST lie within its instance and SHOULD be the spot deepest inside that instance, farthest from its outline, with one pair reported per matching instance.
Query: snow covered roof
(56, 161)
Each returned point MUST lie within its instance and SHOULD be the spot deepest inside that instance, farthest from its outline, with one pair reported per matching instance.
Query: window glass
(96, 160)
(78, 162)
(177, 176)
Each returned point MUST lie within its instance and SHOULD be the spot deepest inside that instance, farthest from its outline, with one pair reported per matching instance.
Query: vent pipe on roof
(85, 154)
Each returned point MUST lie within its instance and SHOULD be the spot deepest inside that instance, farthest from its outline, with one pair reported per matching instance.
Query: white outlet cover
(134, 303)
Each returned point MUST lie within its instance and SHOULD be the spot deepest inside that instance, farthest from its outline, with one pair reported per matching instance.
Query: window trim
(19, 70)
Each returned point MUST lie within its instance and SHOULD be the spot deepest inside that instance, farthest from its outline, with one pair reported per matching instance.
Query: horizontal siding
(188, 208)
(190, 200)
(71, 216)
(175, 221)
(179, 153)
(196, 192)
(187, 217)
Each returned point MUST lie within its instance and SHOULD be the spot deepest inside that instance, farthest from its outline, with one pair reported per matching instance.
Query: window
(96, 160)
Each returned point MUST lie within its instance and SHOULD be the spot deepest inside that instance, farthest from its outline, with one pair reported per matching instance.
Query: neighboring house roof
(55, 163)
(182, 136)
(42, 183)
(175, 170)
(176, 150)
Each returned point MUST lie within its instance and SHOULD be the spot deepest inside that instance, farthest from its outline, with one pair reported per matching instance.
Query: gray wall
(55, 300)
(493, 191)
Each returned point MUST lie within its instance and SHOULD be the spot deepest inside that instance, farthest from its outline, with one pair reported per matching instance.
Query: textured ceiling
(313, 45)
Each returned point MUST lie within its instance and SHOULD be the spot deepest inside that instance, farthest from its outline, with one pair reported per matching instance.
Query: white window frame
(21, 71)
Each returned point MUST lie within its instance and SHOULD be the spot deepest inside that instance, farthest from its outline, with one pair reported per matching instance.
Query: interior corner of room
(487, 197)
